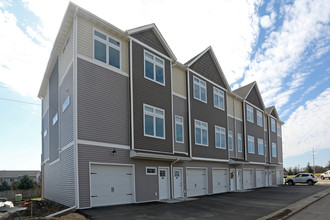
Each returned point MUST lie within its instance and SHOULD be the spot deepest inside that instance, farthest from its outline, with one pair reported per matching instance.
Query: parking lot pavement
(252, 204)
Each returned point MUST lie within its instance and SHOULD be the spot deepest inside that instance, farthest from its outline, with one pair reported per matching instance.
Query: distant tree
(4, 185)
(295, 170)
(285, 172)
(328, 166)
(290, 172)
(26, 183)
(320, 169)
(309, 169)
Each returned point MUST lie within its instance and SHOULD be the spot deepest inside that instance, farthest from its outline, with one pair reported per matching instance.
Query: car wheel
(290, 182)
(322, 177)
(310, 182)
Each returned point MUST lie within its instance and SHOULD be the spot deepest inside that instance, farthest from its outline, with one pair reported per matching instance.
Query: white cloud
(265, 21)
(308, 127)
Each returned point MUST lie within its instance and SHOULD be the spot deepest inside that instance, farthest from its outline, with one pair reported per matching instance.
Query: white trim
(66, 146)
(240, 151)
(103, 144)
(275, 150)
(248, 112)
(154, 115)
(179, 152)
(105, 66)
(231, 116)
(250, 136)
(131, 91)
(204, 78)
(256, 163)
(179, 95)
(65, 73)
(172, 181)
(271, 125)
(263, 146)
(249, 103)
(182, 125)
(45, 161)
(54, 162)
(189, 114)
(209, 159)
(168, 181)
(232, 140)
(262, 118)
(154, 151)
(151, 174)
(154, 63)
(172, 108)
(201, 127)
(199, 84)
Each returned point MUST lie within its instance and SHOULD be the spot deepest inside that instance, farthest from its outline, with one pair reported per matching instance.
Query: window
(273, 124)
(201, 133)
(259, 118)
(154, 124)
(230, 140)
(251, 144)
(239, 142)
(249, 113)
(273, 150)
(55, 119)
(220, 137)
(260, 146)
(107, 49)
(219, 100)
(66, 103)
(151, 171)
(45, 133)
(179, 129)
(154, 68)
(278, 129)
(200, 90)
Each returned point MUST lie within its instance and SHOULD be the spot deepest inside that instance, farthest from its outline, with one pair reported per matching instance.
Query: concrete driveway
(233, 205)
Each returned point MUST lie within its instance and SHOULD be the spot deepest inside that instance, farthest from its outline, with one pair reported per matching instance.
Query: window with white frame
(274, 150)
(230, 140)
(220, 137)
(218, 98)
(273, 124)
(45, 132)
(55, 118)
(278, 129)
(107, 49)
(179, 129)
(66, 103)
(249, 112)
(251, 144)
(154, 68)
(259, 118)
(239, 142)
(260, 146)
(200, 90)
(154, 122)
(201, 133)
(151, 171)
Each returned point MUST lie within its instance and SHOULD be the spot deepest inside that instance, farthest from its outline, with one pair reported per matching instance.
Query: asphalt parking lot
(251, 204)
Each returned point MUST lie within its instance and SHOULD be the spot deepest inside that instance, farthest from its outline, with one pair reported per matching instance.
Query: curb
(292, 209)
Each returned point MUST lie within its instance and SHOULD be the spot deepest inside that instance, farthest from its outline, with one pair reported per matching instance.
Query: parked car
(308, 178)
(325, 175)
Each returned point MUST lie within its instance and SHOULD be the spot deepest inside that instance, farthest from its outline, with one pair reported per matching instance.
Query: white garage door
(111, 185)
(247, 179)
(196, 182)
(260, 176)
(220, 180)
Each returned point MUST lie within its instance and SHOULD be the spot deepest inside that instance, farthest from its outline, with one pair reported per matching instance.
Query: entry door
(163, 183)
(232, 180)
(267, 178)
(178, 186)
(239, 179)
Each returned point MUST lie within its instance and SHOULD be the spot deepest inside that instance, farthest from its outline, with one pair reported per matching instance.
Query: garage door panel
(196, 182)
(260, 177)
(220, 180)
(247, 179)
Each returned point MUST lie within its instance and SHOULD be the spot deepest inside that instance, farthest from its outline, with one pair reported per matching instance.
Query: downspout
(269, 141)
(234, 138)
(172, 179)
(245, 152)
(60, 212)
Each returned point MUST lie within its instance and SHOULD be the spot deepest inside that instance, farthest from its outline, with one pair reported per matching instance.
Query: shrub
(26, 183)
(4, 185)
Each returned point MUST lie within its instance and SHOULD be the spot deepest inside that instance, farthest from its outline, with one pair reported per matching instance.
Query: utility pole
(313, 161)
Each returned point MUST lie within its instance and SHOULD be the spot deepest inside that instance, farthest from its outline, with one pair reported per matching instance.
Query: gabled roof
(17, 173)
(160, 37)
(272, 109)
(246, 90)
(216, 62)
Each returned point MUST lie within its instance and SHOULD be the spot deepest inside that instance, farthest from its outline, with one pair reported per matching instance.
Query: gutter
(60, 212)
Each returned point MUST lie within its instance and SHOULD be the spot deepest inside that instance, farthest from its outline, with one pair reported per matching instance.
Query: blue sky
(283, 45)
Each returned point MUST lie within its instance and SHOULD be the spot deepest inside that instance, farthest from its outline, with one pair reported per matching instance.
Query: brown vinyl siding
(273, 114)
(180, 109)
(279, 150)
(253, 98)
(273, 139)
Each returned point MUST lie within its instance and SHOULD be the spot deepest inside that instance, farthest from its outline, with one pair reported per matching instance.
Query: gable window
(154, 122)
(273, 150)
(260, 146)
(220, 137)
(219, 98)
(55, 119)
(278, 129)
(239, 142)
(230, 140)
(154, 68)
(200, 90)
(251, 144)
(66, 103)
(151, 171)
(179, 129)
(201, 133)
(259, 118)
(107, 49)
(249, 111)
(273, 125)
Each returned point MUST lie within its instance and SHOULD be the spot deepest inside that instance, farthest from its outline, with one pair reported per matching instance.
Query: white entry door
(164, 192)
(220, 180)
(177, 183)
(232, 177)
(239, 179)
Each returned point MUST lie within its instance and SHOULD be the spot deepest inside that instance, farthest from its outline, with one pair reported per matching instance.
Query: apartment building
(123, 121)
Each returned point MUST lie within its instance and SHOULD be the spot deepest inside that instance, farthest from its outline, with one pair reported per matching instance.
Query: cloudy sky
(283, 45)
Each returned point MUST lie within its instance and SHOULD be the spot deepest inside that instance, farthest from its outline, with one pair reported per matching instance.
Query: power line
(13, 100)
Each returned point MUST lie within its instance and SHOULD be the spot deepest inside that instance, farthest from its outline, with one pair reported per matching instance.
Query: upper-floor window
(55, 118)
(220, 137)
(230, 140)
(249, 112)
(239, 142)
(45, 132)
(66, 103)
(251, 144)
(200, 90)
(154, 68)
(107, 49)
(273, 125)
(278, 129)
(273, 150)
(201, 133)
(219, 98)
(154, 122)
(259, 118)
(260, 146)
(179, 129)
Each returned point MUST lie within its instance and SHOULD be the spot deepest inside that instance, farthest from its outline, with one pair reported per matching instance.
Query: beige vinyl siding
(179, 81)
(238, 109)
(230, 104)
(85, 42)
(65, 57)
(45, 102)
